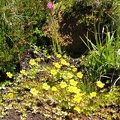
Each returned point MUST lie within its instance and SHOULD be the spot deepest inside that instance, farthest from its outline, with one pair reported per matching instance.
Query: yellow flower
(9, 74)
(34, 91)
(58, 56)
(76, 90)
(37, 59)
(63, 61)
(74, 69)
(69, 75)
(79, 75)
(93, 94)
(54, 88)
(73, 82)
(10, 95)
(71, 89)
(46, 86)
(77, 109)
(63, 84)
(77, 98)
(67, 64)
(22, 71)
(100, 84)
(32, 62)
(53, 72)
(57, 65)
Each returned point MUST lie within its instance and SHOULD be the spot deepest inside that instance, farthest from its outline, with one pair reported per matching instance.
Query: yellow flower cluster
(68, 86)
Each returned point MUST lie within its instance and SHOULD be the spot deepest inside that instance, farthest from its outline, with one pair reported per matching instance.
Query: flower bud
(50, 5)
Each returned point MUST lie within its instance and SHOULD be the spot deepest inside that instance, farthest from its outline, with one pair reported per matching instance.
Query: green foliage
(102, 57)
(18, 22)
(59, 82)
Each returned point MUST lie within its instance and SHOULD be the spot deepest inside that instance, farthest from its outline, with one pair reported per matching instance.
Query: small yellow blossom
(46, 86)
(53, 72)
(22, 71)
(34, 91)
(93, 94)
(67, 64)
(63, 61)
(9, 74)
(77, 98)
(54, 88)
(37, 59)
(100, 84)
(77, 109)
(69, 75)
(74, 69)
(63, 84)
(76, 90)
(10, 95)
(79, 75)
(32, 62)
(58, 56)
(73, 82)
(73, 89)
(57, 65)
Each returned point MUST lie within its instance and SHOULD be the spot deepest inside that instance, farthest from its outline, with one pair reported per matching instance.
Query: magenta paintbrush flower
(50, 5)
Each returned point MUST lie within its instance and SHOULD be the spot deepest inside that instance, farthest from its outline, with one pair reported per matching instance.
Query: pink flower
(50, 5)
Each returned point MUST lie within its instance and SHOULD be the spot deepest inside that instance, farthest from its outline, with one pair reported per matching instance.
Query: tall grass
(102, 57)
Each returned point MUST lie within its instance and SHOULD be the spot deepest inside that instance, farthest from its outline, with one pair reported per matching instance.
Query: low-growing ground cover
(55, 89)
